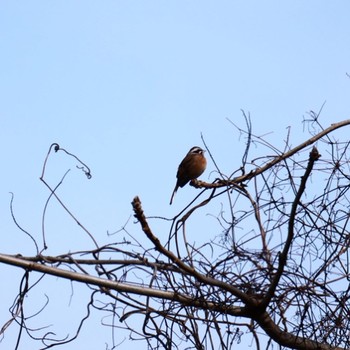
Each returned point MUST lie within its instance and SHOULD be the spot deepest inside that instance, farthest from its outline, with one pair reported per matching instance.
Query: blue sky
(129, 86)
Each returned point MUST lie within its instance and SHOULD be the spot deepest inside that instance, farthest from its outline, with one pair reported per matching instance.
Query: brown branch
(276, 160)
(292, 151)
(136, 203)
(287, 339)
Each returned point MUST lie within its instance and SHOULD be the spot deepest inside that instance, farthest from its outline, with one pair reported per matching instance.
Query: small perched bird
(190, 168)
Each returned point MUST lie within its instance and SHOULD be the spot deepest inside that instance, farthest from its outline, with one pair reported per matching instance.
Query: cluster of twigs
(277, 268)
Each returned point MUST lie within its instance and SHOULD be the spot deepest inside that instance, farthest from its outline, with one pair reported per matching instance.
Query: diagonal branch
(276, 160)
(314, 156)
(136, 203)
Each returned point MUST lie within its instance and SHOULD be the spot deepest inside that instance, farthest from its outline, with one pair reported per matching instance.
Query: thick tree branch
(288, 339)
(114, 285)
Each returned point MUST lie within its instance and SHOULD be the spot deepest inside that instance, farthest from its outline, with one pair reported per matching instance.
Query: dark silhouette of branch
(274, 268)
(314, 156)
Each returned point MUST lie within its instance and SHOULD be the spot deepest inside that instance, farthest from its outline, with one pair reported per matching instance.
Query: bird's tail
(172, 196)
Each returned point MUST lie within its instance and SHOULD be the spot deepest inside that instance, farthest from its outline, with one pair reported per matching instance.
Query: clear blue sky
(129, 86)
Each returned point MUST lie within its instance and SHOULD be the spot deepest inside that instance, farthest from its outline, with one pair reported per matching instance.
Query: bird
(191, 167)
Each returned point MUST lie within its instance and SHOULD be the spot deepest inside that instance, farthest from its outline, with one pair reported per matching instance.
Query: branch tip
(314, 155)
